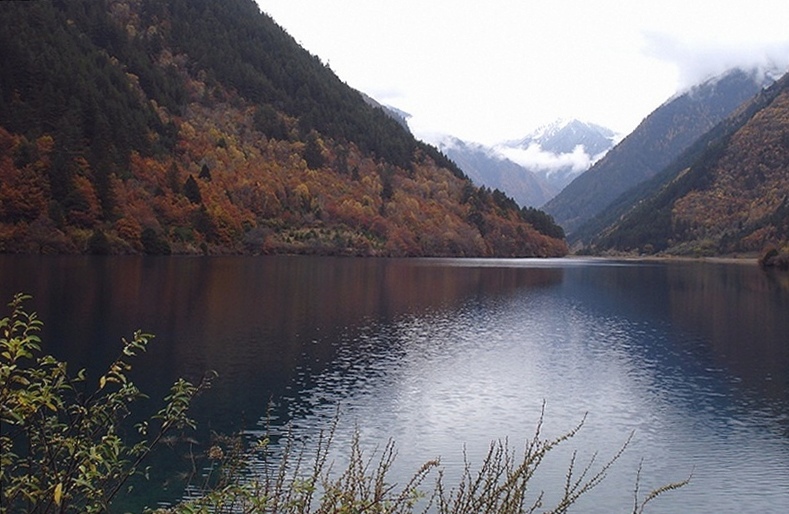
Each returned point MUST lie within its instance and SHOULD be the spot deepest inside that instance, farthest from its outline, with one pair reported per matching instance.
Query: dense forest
(197, 126)
(727, 194)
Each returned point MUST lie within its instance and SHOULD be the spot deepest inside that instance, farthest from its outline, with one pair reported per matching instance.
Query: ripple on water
(449, 382)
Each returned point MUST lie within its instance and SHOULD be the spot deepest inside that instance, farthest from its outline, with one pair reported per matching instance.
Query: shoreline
(751, 260)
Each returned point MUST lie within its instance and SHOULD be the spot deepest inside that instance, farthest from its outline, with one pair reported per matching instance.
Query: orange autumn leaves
(229, 189)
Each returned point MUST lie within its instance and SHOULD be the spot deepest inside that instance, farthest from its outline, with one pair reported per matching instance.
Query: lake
(446, 355)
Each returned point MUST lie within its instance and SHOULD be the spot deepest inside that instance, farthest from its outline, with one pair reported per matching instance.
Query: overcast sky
(492, 70)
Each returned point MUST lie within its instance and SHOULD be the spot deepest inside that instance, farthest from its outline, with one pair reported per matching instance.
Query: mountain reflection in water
(442, 354)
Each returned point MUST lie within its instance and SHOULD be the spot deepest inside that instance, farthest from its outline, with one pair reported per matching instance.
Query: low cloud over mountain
(537, 167)
(561, 151)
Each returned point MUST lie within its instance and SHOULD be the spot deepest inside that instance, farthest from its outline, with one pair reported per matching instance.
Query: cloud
(492, 71)
(536, 159)
(697, 61)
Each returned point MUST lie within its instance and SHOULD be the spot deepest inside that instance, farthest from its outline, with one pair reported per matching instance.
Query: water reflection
(258, 322)
(742, 315)
(733, 316)
(440, 354)
(608, 341)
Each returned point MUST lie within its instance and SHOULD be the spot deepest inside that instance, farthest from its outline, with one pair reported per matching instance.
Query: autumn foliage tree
(160, 137)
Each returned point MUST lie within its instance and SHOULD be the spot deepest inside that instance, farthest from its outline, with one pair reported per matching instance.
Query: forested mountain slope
(193, 126)
(653, 145)
(728, 194)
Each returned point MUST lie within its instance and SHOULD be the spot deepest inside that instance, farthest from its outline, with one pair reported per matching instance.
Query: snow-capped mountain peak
(563, 135)
(561, 150)
(535, 168)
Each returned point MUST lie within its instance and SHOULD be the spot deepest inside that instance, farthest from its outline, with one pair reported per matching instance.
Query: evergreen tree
(205, 173)
(313, 153)
(191, 190)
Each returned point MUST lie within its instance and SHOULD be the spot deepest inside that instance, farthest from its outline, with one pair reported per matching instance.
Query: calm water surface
(442, 355)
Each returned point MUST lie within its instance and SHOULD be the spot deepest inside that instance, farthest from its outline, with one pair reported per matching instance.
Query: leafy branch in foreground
(63, 449)
(299, 481)
(293, 480)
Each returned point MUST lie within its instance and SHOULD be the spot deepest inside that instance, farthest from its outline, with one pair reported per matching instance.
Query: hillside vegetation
(659, 139)
(196, 126)
(729, 193)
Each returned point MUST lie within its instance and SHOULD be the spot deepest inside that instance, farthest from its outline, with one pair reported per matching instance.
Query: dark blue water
(447, 355)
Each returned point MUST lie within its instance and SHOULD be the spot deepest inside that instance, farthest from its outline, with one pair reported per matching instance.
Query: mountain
(198, 126)
(535, 168)
(560, 151)
(658, 140)
(562, 136)
(486, 167)
(728, 193)
(401, 117)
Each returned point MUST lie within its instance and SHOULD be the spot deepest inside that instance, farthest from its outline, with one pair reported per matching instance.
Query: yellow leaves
(354, 213)
(116, 374)
(45, 144)
(58, 495)
(302, 191)
(214, 134)
(372, 184)
(187, 131)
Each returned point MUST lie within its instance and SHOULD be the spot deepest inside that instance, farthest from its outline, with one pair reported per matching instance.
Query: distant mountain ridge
(532, 169)
(560, 151)
(486, 167)
(401, 117)
(656, 142)
(562, 136)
